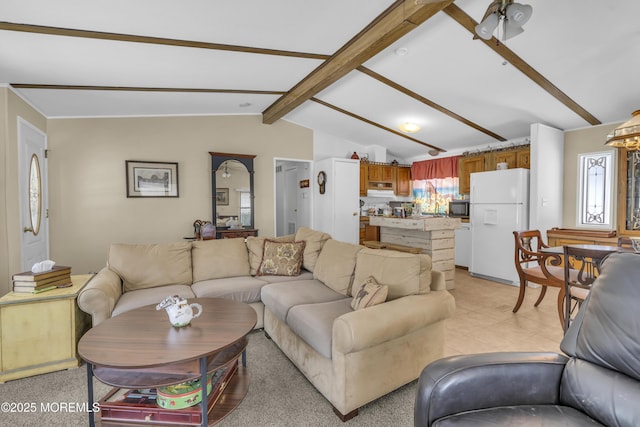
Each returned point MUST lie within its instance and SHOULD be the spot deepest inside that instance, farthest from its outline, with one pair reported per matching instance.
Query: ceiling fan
(513, 16)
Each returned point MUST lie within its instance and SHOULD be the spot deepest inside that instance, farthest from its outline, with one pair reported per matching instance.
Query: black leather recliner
(596, 383)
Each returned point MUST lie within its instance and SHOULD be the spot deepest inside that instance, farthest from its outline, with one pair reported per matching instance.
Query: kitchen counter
(434, 235)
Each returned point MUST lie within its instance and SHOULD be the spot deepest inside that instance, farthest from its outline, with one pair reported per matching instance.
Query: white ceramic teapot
(180, 312)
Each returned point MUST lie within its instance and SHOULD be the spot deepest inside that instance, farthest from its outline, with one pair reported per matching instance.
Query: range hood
(380, 193)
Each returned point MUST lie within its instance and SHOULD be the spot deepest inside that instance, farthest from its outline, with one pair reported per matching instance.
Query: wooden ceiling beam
(428, 102)
(378, 125)
(399, 19)
(143, 89)
(99, 35)
(497, 46)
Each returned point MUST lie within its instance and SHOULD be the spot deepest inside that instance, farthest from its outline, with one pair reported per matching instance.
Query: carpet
(279, 395)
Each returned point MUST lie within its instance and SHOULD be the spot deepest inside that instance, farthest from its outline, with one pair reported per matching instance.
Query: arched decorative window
(35, 194)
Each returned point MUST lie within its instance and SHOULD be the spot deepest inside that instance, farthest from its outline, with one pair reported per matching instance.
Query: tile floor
(483, 321)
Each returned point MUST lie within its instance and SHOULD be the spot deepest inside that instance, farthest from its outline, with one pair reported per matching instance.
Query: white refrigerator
(499, 206)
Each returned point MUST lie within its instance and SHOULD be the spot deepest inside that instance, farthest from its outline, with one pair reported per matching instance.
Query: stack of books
(58, 277)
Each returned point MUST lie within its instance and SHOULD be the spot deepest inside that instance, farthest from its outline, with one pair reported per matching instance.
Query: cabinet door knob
(355, 213)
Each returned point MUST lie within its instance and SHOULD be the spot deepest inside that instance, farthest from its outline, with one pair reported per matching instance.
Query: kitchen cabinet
(368, 232)
(403, 181)
(388, 173)
(508, 157)
(467, 166)
(523, 158)
(514, 158)
(379, 177)
(374, 172)
(363, 179)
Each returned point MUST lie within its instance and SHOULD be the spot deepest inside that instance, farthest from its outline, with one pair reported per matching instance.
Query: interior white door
(32, 144)
(346, 201)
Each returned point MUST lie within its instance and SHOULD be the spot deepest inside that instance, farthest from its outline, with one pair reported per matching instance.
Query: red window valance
(445, 167)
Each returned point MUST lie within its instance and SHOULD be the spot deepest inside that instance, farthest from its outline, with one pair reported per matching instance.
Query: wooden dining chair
(535, 266)
(581, 268)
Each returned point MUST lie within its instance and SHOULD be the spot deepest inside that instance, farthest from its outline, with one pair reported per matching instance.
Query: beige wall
(11, 108)
(588, 140)
(88, 204)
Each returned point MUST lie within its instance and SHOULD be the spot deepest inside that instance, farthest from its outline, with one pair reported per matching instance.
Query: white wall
(89, 207)
(546, 174)
(326, 146)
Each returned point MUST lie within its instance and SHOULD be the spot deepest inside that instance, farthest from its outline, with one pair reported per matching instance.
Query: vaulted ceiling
(351, 68)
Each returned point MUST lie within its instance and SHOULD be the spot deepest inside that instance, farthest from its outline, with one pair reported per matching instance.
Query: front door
(34, 225)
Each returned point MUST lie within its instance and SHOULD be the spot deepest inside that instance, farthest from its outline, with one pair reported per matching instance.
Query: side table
(39, 332)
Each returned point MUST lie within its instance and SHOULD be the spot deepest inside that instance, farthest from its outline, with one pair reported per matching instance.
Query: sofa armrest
(353, 332)
(100, 295)
(464, 383)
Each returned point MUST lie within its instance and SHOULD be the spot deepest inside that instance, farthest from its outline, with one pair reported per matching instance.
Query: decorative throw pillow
(368, 294)
(281, 258)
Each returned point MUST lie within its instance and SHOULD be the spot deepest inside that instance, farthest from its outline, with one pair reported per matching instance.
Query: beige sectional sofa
(351, 356)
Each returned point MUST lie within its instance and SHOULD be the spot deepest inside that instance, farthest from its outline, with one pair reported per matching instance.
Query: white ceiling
(589, 49)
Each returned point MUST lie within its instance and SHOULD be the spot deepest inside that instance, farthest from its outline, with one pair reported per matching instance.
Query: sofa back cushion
(255, 248)
(335, 265)
(314, 241)
(220, 258)
(403, 273)
(147, 266)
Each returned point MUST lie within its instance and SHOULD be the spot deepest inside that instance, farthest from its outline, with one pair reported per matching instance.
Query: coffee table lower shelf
(233, 394)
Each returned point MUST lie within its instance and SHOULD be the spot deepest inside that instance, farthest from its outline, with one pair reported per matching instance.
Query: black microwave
(459, 208)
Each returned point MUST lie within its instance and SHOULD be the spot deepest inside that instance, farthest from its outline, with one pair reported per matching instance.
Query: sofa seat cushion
(533, 415)
(314, 322)
(304, 275)
(336, 264)
(148, 266)
(404, 273)
(280, 297)
(140, 298)
(219, 258)
(243, 289)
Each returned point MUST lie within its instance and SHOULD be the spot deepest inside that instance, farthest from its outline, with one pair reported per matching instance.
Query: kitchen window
(595, 180)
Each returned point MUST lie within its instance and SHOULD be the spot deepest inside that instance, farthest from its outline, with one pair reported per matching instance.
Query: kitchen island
(434, 235)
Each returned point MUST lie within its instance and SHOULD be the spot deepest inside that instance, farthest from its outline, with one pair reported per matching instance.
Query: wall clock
(322, 180)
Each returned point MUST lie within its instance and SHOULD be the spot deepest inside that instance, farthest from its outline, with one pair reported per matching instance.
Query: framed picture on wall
(222, 196)
(151, 179)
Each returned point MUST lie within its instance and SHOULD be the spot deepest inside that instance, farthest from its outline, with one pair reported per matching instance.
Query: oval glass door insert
(35, 194)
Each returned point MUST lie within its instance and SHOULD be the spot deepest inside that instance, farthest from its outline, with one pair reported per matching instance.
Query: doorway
(34, 222)
(292, 195)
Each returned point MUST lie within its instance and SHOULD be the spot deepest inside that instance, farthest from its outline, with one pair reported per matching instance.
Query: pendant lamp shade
(512, 15)
(627, 135)
(486, 28)
(519, 13)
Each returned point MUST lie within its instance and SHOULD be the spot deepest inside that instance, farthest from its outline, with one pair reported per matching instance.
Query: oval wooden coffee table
(141, 349)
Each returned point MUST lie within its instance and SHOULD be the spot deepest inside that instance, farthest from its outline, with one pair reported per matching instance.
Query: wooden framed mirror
(232, 191)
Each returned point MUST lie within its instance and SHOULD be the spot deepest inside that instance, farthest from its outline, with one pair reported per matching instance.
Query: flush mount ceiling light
(627, 135)
(408, 127)
(513, 17)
